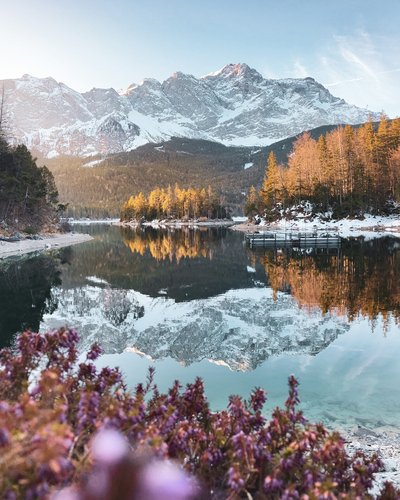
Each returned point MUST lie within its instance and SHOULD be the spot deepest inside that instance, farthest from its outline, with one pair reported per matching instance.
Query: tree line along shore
(348, 172)
(175, 203)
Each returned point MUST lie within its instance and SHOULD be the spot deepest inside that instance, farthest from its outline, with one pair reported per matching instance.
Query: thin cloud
(360, 68)
(343, 81)
(353, 58)
(333, 84)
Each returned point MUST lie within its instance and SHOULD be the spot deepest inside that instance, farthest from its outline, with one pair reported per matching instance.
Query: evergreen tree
(28, 194)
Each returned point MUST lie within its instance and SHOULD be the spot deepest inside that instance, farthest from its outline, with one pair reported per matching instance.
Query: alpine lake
(200, 302)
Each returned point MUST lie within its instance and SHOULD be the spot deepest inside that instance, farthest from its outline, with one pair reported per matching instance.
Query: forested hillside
(99, 188)
(348, 170)
(28, 194)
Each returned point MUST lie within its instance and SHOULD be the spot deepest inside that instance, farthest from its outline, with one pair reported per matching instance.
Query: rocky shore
(385, 441)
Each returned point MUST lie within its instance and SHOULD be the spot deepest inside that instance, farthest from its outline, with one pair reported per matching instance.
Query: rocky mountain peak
(238, 71)
(179, 75)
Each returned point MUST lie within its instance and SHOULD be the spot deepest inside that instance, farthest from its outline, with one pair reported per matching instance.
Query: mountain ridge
(235, 106)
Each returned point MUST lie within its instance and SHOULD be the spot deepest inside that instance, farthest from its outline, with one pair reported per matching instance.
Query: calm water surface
(200, 303)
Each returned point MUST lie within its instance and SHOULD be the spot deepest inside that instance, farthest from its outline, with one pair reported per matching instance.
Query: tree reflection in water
(173, 245)
(360, 278)
(25, 292)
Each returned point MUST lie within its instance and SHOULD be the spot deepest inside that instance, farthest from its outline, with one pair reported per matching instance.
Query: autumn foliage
(350, 170)
(170, 246)
(174, 203)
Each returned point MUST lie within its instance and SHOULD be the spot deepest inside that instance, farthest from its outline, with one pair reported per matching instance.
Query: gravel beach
(9, 249)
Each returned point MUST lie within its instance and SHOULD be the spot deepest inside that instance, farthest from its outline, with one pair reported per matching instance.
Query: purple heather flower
(4, 407)
(66, 494)
(109, 447)
(235, 480)
(272, 484)
(10, 495)
(94, 352)
(258, 399)
(87, 409)
(98, 484)
(4, 437)
(163, 480)
(35, 390)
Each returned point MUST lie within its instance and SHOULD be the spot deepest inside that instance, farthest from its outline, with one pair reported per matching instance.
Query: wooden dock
(295, 240)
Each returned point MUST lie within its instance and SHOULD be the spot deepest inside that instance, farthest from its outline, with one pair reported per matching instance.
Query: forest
(28, 194)
(348, 170)
(175, 203)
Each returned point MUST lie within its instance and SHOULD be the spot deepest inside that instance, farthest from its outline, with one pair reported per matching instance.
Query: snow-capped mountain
(234, 106)
(239, 329)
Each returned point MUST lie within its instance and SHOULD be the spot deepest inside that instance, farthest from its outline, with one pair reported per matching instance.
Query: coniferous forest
(350, 171)
(28, 194)
(174, 203)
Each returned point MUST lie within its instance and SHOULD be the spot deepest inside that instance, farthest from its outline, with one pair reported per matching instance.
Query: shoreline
(48, 242)
(370, 227)
(178, 224)
(385, 442)
(88, 222)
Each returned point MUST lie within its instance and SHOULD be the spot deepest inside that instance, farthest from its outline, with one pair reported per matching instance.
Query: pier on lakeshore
(295, 240)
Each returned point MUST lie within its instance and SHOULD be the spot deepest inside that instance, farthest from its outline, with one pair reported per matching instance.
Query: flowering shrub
(70, 430)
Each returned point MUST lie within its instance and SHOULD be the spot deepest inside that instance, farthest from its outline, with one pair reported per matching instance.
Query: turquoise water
(354, 381)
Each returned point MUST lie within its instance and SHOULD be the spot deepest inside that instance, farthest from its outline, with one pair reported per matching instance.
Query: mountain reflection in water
(194, 294)
(25, 292)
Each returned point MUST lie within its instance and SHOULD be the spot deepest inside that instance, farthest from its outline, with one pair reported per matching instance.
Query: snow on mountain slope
(234, 106)
(240, 328)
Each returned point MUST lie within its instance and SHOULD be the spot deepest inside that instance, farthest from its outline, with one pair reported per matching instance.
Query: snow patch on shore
(370, 227)
(51, 242)
(87, 222)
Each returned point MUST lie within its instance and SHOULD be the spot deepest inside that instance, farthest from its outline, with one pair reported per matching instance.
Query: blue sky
(351, 46)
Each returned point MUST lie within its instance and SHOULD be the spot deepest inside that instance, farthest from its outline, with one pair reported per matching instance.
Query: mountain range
(235, 106)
